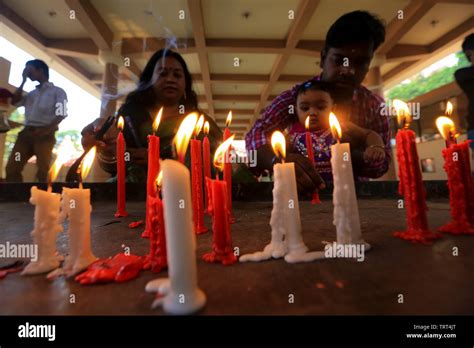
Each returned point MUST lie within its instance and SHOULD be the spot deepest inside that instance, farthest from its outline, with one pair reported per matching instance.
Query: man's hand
(307, 178)
(374, 154)
(24, 75)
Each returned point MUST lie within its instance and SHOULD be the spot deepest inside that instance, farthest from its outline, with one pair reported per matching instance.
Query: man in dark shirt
(465, 79)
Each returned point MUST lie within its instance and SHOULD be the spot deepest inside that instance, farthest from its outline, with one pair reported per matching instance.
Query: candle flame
(159, 179)
(219, 156)
(279, 144)
(156, 122)
(445, 127)
(403, 113)
(199, 125)
(449, 109)
(229, 119)
(184, 134)
(335, 127)
(306, 123)
(206, 128)
(120, 123)
(87, 161)
(61, 158)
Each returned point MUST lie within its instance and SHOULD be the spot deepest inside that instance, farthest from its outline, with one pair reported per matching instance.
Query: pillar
(374, 80)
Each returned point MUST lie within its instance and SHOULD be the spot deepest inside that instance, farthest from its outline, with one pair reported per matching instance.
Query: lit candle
(346, 210)
(47, 224)
(181, 292)
(156, 260)
(458, 168)
(222, 250)
(310, 153)
(286, 240)
(206, 153)
(411, 182)
(196, 176)
(76, 207)
(120, 154)
(228, 168)
(153, 169)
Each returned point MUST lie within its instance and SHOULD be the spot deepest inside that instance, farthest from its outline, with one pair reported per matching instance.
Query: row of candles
(174, 219)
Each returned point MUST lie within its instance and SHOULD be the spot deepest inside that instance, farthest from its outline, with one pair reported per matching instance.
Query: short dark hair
(353, 27)
(314, 85)
(40, 65)
(468, 43)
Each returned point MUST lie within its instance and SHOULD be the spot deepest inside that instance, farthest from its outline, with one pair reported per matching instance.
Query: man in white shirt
(45, 108)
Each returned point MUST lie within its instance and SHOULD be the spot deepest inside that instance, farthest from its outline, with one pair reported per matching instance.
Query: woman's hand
(89, 140)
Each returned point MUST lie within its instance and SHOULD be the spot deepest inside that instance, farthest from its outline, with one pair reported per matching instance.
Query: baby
(314, 100)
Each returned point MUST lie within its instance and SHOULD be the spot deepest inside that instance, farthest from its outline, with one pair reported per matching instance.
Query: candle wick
(50, 188)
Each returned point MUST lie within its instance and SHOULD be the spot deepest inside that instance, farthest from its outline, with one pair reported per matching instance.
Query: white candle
(77, 208)
(182, 294)
(346, 211)
(286, 240)
(47, 226)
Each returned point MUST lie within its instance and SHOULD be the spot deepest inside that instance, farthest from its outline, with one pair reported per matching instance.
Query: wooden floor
(431, 280)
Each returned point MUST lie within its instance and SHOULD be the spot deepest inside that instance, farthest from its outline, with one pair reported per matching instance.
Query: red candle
(411, 183)
(156, 260)
(310, 153)
(461, 192)
(222, 251)
(228, 168)
(206, 154)
(153, 169)
(120, 153)
(196, 177)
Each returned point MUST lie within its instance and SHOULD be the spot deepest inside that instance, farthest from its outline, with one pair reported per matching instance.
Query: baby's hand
(374, 154)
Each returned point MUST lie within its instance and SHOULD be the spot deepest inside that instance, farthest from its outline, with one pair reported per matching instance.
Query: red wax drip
(206, 154)
(315, 199)
(119, 269)
(461, 192)
(156, 260)
(196, 188)
(5, 272)
(120, 150)
(412, 189)
(228, 176)
(135, 224)
(153, 170)
(222, 251)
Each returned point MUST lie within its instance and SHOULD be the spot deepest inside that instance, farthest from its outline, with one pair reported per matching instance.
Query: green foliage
(420, 85)
(12, 134)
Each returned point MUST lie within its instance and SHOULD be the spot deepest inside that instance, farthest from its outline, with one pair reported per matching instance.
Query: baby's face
(317, 105)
